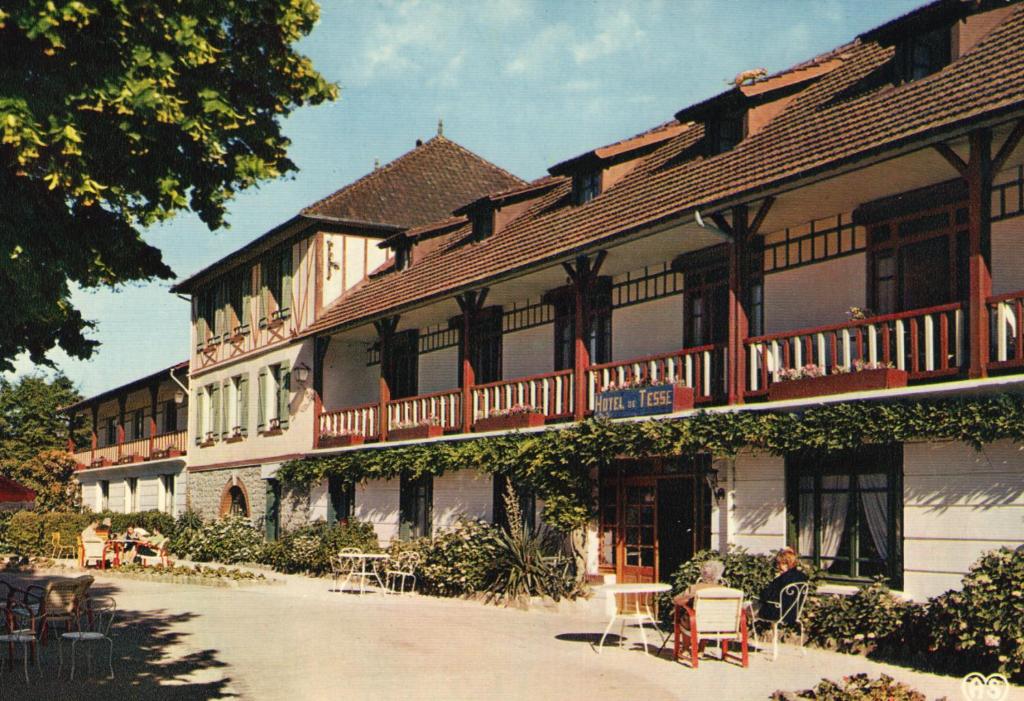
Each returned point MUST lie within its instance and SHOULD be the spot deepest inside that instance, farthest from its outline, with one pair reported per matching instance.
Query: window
(598, 335)
(586, 186)
(236, 406)
(483, 225)
(415, 504)
(167, 487)
(104, 495)
(922, 54)
(208, 414)
(845, 512)
(403, 256)
(725, 132)
(340, 499)
(237, 504)
(138, 424)
(918, 260)
(206, 317)
(131, 495)
(400, 364)
(485, 346)
(276, 286)
(170, 416)
(706, 305)
(111, 430)
(238, 296)
(274, 397)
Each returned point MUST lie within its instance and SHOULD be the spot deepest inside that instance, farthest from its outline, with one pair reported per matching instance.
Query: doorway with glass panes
(655, 513)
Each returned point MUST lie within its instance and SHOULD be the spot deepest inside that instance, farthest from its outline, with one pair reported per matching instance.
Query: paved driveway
(299, 641)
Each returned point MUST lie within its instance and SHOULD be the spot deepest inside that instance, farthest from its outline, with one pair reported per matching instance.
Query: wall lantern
(179, 397)
(301, 373)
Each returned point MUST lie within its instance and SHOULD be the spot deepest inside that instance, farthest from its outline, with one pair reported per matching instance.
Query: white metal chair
(404, 568)
(790, 606)
(19, 628)
(344, 566)
(629, 607)
(717, 614)
(99, 616)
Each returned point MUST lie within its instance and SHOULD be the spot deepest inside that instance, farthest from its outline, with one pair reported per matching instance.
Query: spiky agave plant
(520, 570)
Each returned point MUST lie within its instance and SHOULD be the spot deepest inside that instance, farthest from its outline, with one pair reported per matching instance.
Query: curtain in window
(834, 507)
(876, 511)
(806, 527)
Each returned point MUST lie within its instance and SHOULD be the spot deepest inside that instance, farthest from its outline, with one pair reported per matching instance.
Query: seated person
(786, 563)
(151, 547)
(710, 576)
(134, 537)
(103, 530)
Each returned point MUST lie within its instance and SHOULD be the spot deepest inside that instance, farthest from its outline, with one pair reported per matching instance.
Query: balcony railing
(551, 394)
(153, 448)
(362, 420)
(443, 407)
(927, 343)
(1006, 324)
(702, 368)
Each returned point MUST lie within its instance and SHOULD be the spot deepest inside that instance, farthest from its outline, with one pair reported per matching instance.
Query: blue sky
(523, 83)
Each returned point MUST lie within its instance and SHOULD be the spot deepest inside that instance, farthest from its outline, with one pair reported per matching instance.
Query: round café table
(632, 602)
(363, 567)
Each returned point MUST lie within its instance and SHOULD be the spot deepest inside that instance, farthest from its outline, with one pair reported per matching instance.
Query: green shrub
(869, 620)
(309, 549)
(456, 562)
(858, 687)
(25, 533)
(150, 520)
(69, 525)
(229, 540)
(981, 627)
(743, 570)
(187, 528)
(5, 520)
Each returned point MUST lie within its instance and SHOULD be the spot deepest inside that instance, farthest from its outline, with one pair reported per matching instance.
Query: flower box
(411, 433)
(841, 383)
(101, 462)
(129, 459)
(341, 441)
(166, 453)
(530, 419)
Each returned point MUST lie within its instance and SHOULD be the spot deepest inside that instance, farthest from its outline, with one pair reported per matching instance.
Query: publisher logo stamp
(977, 687)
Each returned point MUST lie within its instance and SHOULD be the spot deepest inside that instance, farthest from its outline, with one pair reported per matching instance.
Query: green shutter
(261, 405)
(198, 404)
(284, 385)
(201, 329)
(246, 299)
(243, 404)
(285, 303)
(215, 410)
(218, 310)
(225, 409)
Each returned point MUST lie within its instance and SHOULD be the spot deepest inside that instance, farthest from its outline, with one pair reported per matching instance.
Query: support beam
(1007, 149)
(952, 158)
(320, 346)
(739, 323)
(470, 304)
(95, 409)
(120, 423)
(386, 328)
(979, 232)
(154, 391)
(582, 274)
(762, 213)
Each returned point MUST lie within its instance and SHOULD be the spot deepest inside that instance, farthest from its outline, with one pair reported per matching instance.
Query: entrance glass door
(640, 521)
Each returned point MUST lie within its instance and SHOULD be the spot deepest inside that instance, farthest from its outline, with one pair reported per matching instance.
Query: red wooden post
(470, 304)
(385, 330)
(979, 204)
(583, 275)
(320, 345)
(153, 391)
(739, 324)
(120, 424)
(95, 436)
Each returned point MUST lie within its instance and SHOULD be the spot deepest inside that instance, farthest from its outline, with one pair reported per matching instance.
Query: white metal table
(362, 566)
(631, 601)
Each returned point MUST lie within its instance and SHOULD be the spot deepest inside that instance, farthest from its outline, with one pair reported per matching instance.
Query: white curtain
(876, 511)
(806, 527)
(834, 506)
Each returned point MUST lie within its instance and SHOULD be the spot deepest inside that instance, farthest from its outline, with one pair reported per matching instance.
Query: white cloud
(540, 50)
(413, 34)
(448, 76)
(617, 32)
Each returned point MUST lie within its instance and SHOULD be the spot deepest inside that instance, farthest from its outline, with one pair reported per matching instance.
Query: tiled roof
(849, 113)
(416, 188)
(158, 376)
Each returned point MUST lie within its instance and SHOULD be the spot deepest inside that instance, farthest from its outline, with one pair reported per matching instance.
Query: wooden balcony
(157, 447)
(701, 368)
(1006, 336)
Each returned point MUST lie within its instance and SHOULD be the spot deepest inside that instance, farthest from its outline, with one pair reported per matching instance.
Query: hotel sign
(642, 401)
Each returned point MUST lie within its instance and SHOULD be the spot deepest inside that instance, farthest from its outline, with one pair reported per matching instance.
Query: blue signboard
(635, 401)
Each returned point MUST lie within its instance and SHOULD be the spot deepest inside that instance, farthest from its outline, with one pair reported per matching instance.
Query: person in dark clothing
(772, 596)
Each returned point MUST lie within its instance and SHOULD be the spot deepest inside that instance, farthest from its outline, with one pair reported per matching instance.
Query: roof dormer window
(586, 186)
(922, 54)
(483, 225)
(725, 132)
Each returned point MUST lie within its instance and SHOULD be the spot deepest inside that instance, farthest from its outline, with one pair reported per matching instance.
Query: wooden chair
(58, 549)
(717, 614)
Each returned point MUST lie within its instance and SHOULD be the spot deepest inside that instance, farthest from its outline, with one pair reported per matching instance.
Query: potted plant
(429, 427)
(811, 380)
(340, 439)
(515, 416)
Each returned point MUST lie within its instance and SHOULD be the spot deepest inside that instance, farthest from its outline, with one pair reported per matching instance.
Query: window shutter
(201, 329)
(285, 303)
(264, 294)
(243, 403)
(225, 409)
(215, 410)
(218, 311)
(246, 299)
(284, 383)
(197, 402)
(261, 404)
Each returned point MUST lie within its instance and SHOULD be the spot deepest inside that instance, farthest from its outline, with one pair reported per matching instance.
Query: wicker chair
(61, 602)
